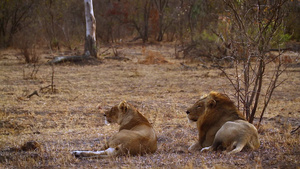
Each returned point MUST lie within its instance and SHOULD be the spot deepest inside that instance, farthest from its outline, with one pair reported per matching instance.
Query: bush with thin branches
(253, 27)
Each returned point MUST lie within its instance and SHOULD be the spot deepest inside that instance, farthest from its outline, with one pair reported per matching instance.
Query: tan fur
(234, 136)
(28, 146)
(135, 136)
(214, 111)
(194, 112)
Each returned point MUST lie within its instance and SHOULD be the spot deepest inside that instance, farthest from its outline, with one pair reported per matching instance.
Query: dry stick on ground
(294, 131)
(104, 51)
(33, 93)
(42, 88)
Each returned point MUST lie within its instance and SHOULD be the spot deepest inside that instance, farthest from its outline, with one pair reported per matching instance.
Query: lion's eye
(199, 106)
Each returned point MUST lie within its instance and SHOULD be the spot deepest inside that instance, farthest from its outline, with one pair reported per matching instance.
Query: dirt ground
(64, 118)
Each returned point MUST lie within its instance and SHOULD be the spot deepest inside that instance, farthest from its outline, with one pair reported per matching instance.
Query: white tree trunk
(90, 37)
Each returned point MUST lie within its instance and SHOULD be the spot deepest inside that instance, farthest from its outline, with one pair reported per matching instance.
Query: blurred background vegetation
(195, 24)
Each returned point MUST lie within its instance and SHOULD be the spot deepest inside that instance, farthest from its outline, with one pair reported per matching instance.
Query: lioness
(135, 136)
(234, 136)
(211, 112)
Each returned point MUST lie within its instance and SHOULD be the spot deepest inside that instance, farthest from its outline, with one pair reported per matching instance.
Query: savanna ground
(66, 118)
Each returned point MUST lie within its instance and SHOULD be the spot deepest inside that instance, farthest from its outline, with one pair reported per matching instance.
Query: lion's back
(238, 132)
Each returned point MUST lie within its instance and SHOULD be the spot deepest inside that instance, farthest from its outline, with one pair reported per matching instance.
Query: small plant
(29, 53)
(25, 42)
(52, 79)
(54, 44)
(50, 88)
(32, 73)
(115, 51)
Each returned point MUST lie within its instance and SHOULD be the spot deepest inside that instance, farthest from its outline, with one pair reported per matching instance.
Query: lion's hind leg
(238, 147)
(88, 154)
(110, 152)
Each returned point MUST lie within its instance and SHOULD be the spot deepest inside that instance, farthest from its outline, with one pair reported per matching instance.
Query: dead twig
(52, 79)
(104, 51)
(294, 131)
(42, 88)
(33, 93)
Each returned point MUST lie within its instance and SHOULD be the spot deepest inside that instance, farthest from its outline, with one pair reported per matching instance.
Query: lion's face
(112, 114)
(116, 113)
(194, 112)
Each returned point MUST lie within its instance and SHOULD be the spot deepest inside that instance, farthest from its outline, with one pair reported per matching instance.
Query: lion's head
(194, 112)
(124, 113)
(220, 105)
(117, 112)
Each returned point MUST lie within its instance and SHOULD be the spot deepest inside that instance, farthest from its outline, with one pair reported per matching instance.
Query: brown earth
(161, 87)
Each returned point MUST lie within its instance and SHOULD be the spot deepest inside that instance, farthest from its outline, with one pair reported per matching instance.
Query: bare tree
(161, 5)
(90, 39)
(254, 26)
(140, 15)
(14, 16)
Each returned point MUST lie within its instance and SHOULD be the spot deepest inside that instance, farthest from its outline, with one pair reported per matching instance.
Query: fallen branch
(61, 59)
(293, 131)
(42, 88)
(117, 58)
(33, 93)
(104, 51)
(186, 67)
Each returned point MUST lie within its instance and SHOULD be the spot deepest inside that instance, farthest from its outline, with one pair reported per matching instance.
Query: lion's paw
(194, 147)
(77, 154)
(205, 149)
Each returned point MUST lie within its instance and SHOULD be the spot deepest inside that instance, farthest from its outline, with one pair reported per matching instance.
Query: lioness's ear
(123, 106)
(211, 103)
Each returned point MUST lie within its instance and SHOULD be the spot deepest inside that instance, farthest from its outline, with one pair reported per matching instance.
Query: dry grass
(68, 120)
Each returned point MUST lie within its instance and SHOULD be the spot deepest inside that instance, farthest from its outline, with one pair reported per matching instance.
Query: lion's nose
(187, 112)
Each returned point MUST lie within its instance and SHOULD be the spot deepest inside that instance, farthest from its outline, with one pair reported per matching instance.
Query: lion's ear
(123, 106)
(211, 103)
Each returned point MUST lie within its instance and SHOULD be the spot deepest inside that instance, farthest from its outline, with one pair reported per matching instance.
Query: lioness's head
(194, 112)
(115, 114)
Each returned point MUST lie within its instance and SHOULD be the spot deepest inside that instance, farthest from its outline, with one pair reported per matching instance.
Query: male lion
(135, 136)
(211, 112)
(234, 136)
